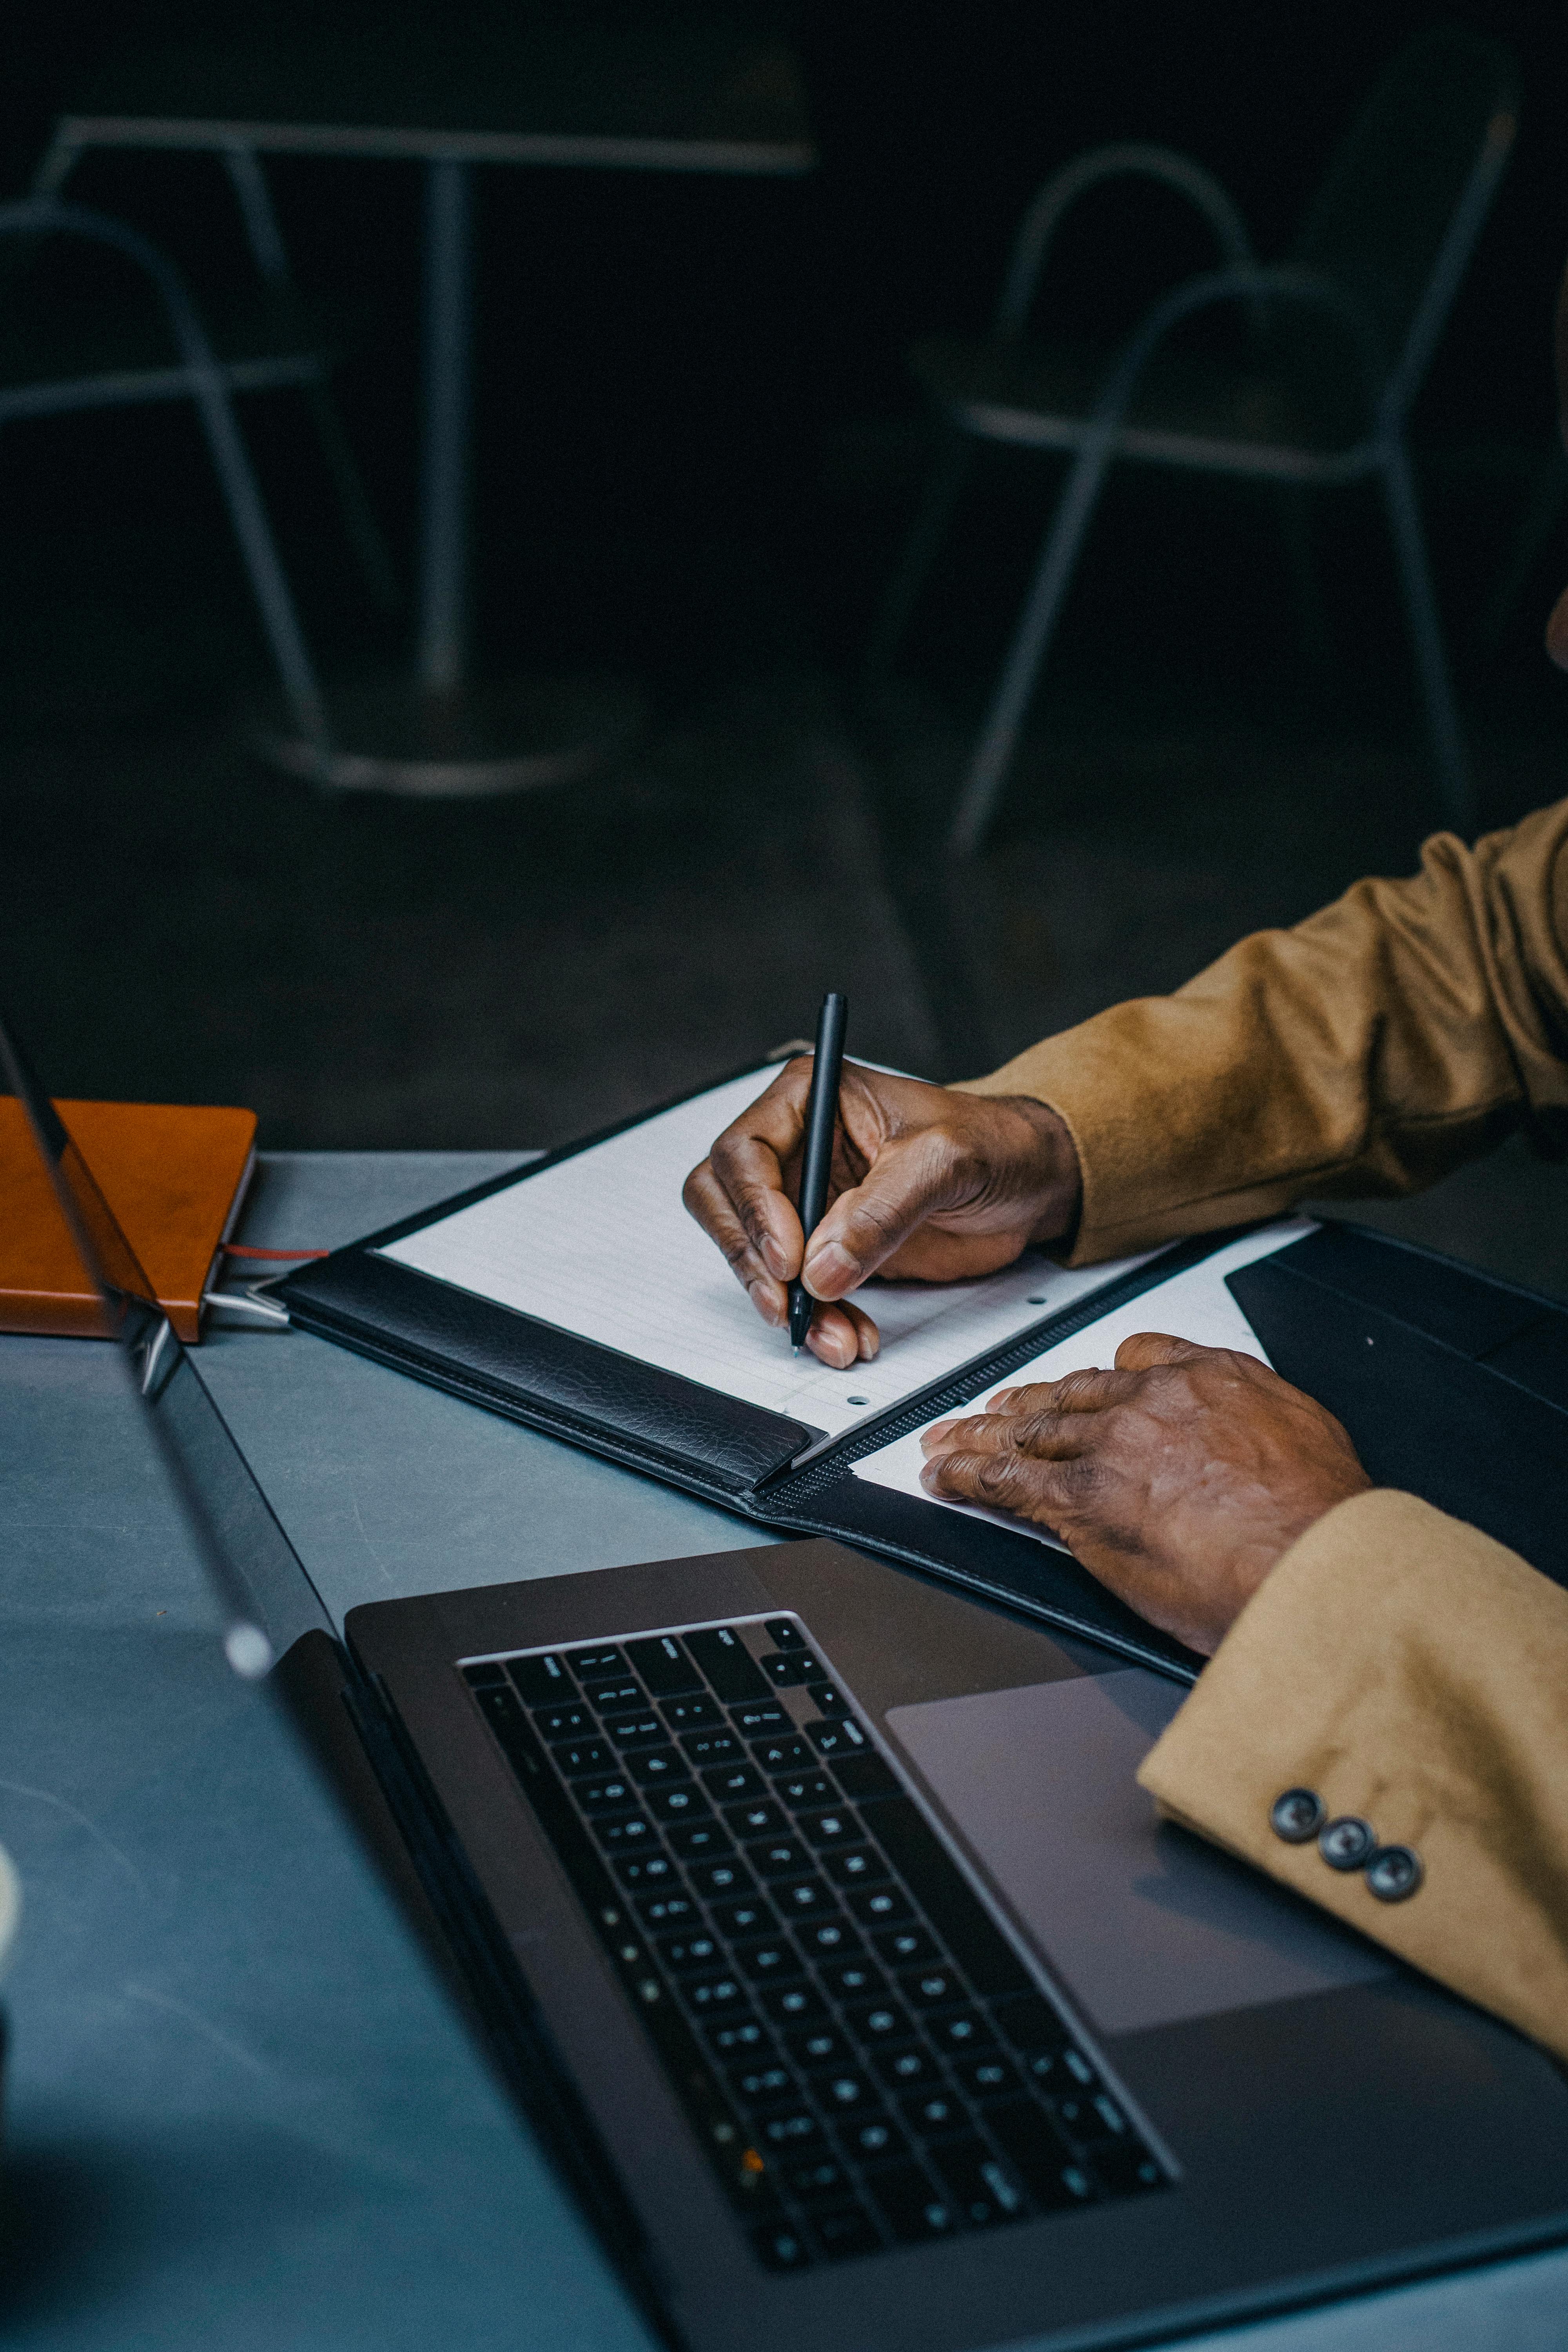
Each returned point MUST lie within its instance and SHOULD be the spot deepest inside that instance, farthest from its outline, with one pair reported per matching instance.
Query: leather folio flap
(550, 1379)
(1452, 1387)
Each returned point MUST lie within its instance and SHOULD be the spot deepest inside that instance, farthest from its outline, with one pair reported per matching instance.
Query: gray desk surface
(241, 2112)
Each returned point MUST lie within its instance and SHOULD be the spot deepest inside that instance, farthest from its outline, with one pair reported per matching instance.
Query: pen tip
(795, 1351)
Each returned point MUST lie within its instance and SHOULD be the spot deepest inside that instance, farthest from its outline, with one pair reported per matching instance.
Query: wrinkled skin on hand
(1179, 1478)
(928, 1184)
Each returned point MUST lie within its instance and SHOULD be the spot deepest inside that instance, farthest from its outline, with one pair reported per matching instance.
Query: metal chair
(1339, 338)
(51, 367)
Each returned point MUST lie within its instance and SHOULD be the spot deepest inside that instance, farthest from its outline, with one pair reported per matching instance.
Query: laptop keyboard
(860, 2049)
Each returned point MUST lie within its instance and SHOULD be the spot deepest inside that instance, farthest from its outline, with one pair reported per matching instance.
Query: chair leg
(927, 532)
(265, 237)
(999, 737)
(1426, 637)
(259, 554)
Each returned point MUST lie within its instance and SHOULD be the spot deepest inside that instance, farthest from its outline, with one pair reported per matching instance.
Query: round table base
(515, 736)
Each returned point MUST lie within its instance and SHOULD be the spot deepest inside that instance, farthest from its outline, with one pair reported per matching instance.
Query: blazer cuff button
(1348, 1842)
(1297, 1816)
(1394, 1872)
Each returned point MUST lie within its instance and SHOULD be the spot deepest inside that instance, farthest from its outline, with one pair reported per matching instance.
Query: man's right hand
(928, 1185)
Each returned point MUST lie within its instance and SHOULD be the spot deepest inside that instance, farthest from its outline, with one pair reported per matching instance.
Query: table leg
(448, 373)
(437, 734)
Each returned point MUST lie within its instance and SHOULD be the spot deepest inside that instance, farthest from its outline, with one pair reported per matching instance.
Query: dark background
(697, 448)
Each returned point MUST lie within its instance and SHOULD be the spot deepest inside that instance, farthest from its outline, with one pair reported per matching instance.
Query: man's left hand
(1178, 1479)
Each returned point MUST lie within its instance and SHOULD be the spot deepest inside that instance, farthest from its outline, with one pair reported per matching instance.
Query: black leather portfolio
(1452, 1386)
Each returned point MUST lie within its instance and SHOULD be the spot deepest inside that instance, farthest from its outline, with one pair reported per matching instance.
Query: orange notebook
(174, 1176)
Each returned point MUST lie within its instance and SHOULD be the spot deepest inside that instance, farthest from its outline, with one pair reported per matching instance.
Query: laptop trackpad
(1146, 1923)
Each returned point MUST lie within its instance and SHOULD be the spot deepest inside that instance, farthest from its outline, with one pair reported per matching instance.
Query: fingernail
(774, 1252)
(931, 1477)
(934, 1435)
(830, 1269)
(870, 1345)
(765, 1299)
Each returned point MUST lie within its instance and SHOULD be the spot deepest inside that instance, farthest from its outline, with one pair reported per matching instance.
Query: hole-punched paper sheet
(1191, 1305)
(600, 1246)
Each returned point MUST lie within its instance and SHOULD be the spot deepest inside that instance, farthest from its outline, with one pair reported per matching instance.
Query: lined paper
(600, 1246)
(1195, 1305)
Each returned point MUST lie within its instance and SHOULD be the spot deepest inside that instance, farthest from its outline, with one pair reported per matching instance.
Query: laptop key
(667, 1671)
(908, 2069)
(785, 1752)
(851, 2230)
(642, 1728)
(698, 1840)
(846, 2090)
(563, 1722)
(660, 1912)
(914, 2208)
(875, 2139)
(596, 1665)
(877, 1906)
(613, 1697)
(651, 1768)
(791, 2131)
(786, 1668)
(821, 2180)
(753, 1917)
(838, 1828)
(1038, 2153)
(729, 1665)
(852, 1978)
(781, 2247)
(866, 1777)
(759, 1715)
(806, 1898)
(805, 1792)
(763, 2084)
(610, 1793)
(697, 1713)
(738, 2037)
(542, 1681)
(718, 1880)
(931, 2113)
(768, 1959)
(829, 1939)
(933, 1988)
(490, 1671)
(713, 1747)
(841, 1739)
(759, 1817)
(791, 2005)
(624, 1834)
(706, 1995)
(904, 1948)
(983, 2186)
(957, 2032)
(1126, 2171)
(778, 1858)
(685, 1803)
(785, 1633)
(854, 1866)
(988, 2076)
(576, 1757)
(690, 1955)
(726, 1783)
(875, 2023)
(818, 2044)
(1030, 2023)
(830, 1702)
(640, 1871)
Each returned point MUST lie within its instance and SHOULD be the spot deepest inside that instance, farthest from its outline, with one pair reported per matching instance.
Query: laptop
(812, 1916)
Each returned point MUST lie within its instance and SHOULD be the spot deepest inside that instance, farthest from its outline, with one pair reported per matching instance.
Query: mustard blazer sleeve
(1401, 1030)
(1413, 1674)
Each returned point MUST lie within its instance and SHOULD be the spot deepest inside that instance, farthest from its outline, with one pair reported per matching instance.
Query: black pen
(817, 1163)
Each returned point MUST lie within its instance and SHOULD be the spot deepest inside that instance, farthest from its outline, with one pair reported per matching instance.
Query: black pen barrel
(816, 1160)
